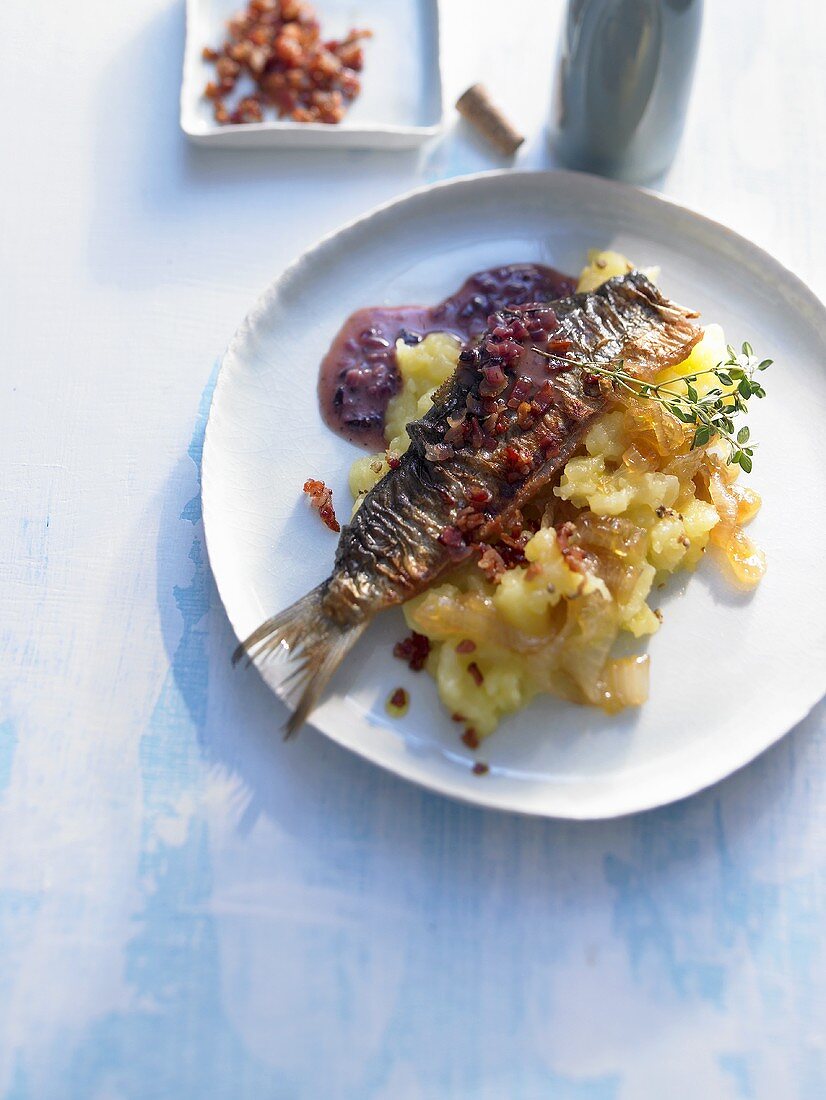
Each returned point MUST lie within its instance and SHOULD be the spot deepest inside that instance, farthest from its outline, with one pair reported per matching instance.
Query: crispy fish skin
(500, 429)
(395, 545)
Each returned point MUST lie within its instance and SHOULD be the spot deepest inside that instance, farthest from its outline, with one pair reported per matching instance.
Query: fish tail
(315, 646)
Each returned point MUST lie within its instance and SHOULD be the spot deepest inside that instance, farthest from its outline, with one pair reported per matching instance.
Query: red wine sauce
(359, 373)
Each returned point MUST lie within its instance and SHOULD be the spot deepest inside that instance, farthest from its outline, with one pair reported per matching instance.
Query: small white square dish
(400, 103)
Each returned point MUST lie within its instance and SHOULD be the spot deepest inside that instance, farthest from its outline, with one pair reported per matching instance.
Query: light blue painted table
(191, 910)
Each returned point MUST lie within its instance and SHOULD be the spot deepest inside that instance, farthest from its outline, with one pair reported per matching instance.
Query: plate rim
(404, 768)
(318, 135)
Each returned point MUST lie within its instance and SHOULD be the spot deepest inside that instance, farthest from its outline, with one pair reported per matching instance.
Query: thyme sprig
(712, 414)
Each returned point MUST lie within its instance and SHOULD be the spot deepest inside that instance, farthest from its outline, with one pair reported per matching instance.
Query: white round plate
(730, 673)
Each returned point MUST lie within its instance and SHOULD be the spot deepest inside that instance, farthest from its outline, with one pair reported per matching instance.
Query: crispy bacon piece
(471, 738)
(454, 540)
(517, 464)
(524, 417)
(469, 519)
(543, 398)
(476, 673)
(413, 649)
(520, 391)
(478, 494)
(574, 555)
(491, 563)
(321, 498)
(493, 381)
(398, 703)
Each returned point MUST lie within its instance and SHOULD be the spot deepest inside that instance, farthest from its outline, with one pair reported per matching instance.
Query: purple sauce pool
(359, 373)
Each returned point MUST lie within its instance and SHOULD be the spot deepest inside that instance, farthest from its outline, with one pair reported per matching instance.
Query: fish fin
(315, 646)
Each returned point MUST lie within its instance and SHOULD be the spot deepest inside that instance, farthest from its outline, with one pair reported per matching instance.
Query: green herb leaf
(710, 415)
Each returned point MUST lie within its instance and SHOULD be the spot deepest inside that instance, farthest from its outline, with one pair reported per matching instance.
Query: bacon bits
(493, 381)
(476, 673)
(480, 768)
(574, 555)
(479, 495)
(517, 465)
(454, 540)
(469, 519)
(520, 391)
(277, 45)
(398, 703)
(524, 416)
(321, 498)
(467, 645)
(471, 738)
(491, 563)
(509, 551)
(414, 650)
(543, 398)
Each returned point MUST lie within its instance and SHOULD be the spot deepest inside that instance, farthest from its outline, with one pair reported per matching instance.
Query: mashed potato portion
(632, 506)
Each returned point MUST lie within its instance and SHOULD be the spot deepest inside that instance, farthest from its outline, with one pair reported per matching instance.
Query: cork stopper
(475, 105)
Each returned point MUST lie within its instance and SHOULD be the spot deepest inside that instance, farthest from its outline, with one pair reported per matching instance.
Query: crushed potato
(632, 506)
(423, 368)
(605, 264)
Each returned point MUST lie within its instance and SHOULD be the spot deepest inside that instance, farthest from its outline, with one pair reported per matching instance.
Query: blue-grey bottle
(622, 85)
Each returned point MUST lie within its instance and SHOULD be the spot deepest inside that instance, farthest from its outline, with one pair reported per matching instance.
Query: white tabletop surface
(190, 909)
